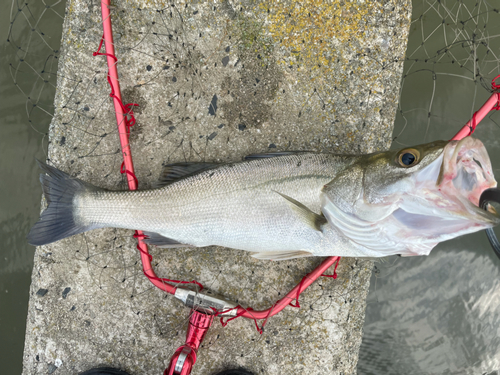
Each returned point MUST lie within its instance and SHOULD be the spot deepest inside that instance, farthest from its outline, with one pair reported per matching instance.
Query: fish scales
(234, 205)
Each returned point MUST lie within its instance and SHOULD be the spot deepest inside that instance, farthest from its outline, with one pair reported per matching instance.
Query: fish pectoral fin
(309, 218)
(281, 255)
(176, 171)
(156, 239)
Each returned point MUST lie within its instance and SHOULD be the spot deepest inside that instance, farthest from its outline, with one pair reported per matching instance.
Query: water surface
(20, 143)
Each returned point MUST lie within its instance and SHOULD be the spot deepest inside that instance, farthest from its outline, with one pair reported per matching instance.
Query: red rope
(161, 279)
(497, 107)
(124, 170)
(97, 53)
(298, 293)
(141, 237)
(494, 86)
(224, 323)
(126, 108)
(164, 280)
(243, 311)
(334, 276)
(299, 290)
(473, 124)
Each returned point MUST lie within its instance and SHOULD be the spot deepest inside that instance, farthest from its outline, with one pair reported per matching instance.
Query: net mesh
(423, 315)
(451, 59)
(34, 64)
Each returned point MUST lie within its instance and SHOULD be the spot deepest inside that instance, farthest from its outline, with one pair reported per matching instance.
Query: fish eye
(408, 157)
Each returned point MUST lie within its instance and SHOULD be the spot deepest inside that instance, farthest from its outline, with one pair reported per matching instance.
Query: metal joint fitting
(206, 302)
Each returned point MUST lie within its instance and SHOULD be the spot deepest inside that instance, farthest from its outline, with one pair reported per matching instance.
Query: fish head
(406, 201)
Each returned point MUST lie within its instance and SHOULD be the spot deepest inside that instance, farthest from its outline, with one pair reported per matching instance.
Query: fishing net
(450, 62)
(167, 63)
(439, 314)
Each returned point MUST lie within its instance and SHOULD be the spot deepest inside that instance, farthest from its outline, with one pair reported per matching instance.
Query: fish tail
(57, 221)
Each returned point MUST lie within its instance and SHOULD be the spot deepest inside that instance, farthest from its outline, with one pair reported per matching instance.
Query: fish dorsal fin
(281, 255)
(161, 241)
(272, 154)
(176, 171)
(310, 218)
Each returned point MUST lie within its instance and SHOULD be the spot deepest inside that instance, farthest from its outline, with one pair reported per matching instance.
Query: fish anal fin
(281, 255)
(161, 241)
(176, 171)
(310, 218)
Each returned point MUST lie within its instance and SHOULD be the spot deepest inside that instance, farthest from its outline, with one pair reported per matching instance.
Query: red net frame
(125, 119)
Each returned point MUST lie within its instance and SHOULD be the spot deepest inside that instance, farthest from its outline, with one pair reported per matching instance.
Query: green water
(20, 144)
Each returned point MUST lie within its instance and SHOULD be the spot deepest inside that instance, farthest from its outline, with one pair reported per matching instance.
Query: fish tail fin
(57, 221)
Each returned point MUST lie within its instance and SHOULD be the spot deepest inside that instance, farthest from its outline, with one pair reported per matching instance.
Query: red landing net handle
(184, 358)
(493, 103)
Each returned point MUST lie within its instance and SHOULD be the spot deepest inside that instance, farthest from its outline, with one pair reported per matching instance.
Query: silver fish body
(290, 205)
(235, 205)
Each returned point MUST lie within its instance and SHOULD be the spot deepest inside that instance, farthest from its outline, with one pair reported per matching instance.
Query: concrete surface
(215, 81)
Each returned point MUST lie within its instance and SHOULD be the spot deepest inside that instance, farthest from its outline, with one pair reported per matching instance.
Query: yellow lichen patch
(308, 28)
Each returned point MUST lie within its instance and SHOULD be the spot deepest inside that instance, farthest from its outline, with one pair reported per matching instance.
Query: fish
(288, 205)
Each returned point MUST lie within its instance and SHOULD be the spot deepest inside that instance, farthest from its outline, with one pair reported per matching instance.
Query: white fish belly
(263, 221)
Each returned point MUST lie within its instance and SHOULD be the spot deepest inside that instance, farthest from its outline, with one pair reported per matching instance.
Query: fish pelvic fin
(156, 239)
(57, 221)
(281, 255)
(309, 218)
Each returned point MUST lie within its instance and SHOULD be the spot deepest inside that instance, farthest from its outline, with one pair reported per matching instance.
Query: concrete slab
(215, 82)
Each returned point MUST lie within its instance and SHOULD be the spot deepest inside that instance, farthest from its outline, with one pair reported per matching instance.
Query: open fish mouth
(444, 201)
(466, 170)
